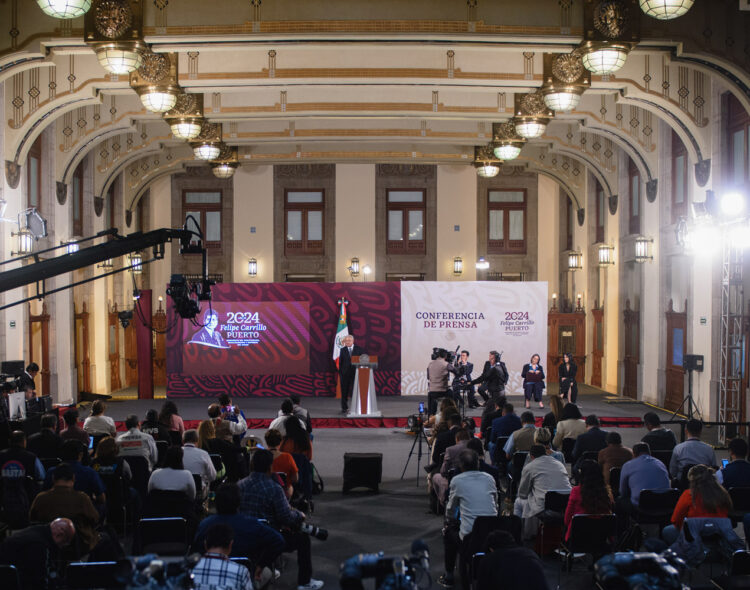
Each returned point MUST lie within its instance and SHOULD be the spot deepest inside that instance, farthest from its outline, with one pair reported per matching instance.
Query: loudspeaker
(362, 470)
(693, 362)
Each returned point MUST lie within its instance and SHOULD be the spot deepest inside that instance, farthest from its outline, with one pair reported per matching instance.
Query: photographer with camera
(494, 376)
(262, 497)
(438, 372)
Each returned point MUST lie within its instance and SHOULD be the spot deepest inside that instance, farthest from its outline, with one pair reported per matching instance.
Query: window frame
(601, 211)
(405, 246)
(202, 209)
(634, 220)
(35, 153)
(77, 196)
(305, 247)
(494, 246)
(679, 149)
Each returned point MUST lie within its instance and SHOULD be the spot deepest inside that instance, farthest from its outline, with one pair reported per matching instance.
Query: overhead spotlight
(482, 264)
(64, 8)
(666, 9)
(732, 204)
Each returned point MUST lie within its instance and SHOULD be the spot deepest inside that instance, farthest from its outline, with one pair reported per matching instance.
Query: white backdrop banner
(509, 317)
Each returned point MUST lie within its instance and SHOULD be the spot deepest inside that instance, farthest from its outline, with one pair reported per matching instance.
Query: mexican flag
(342, 331)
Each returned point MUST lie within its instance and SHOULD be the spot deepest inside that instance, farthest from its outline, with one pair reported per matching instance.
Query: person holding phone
(533, 380)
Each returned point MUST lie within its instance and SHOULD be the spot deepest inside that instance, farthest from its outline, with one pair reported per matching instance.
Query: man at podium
(347, 370)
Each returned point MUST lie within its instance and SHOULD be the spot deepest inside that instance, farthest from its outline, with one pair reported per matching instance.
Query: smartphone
(724, 463)
(421, 407)
(91, 443)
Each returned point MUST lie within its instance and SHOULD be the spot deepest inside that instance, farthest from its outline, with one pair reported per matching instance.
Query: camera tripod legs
(417, 439)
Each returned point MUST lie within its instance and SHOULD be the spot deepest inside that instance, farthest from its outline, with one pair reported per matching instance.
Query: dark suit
(461, 379)
(568, 381)
(347, 372)
(25, 381)
(444, 439)
(493, 379)
(44, 444)
(594, 439)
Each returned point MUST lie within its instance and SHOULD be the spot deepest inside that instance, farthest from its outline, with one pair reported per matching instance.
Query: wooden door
(632, 321)
(83, 361)
(39, 339)
(159, 354)
(113, 338)
(597, 353)
(676, 348)
(131, 356)
(566, 333)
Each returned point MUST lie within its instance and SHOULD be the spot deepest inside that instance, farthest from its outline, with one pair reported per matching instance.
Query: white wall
(355, 217)
(253, 208)
(456, 206)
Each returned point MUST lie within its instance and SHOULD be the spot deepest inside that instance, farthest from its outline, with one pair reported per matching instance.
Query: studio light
(739, 236)
(64, 8)
(732, 204)
(703, 240)
(252, 267)
(643, 249)
(482, 264)
(575, 260)
(666, 9)
(458, 266)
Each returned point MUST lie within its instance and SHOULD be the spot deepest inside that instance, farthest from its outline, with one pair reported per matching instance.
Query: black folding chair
(567, 449)
(161, 449)
(10, 579)
(614, 480)
(656, 506)
(590, 456)
(663, 456)
(555, 503)
(98, 574)
(590, 534)
(471, 554)
(50, 462)
(498, 458)
(163, 536)
(740, 563)
(740, 503)
(517, 462)
(175, 437)
(117, 513)
(198, 481)
(141, 471)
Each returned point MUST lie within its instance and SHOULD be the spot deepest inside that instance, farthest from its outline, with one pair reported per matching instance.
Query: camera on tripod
(390, 573)
(449, 355)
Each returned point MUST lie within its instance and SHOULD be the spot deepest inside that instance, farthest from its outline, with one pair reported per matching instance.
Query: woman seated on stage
(567, 374)
(533, 380)
(296, 439)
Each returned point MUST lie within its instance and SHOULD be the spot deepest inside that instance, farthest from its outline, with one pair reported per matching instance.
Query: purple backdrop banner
(374, 315)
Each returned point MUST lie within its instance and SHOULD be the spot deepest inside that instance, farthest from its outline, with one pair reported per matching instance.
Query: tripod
(692, 407)
(421, 436)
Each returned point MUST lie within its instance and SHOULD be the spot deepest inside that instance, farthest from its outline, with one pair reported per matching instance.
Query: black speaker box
(362, 470)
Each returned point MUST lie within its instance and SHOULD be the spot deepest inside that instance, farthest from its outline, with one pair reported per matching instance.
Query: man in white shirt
(134, 442)
(287, 411)
(197, 461)
(472, 493)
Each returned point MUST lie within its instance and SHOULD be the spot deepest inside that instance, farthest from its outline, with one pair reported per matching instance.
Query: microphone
(421, 551)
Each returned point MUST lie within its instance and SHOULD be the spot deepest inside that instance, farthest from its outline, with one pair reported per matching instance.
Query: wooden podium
(364, 403)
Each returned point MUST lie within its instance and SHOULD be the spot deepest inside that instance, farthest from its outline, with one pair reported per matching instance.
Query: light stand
(692, 407)
(418, 439)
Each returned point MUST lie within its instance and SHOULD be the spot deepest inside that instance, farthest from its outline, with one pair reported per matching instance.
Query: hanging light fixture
(64, 8)
(185, 119)
(531, 115)
(458, 266)
(606, 255)
(485, 161)
(643, 249)
(506, 142)
(155, 81)
(575, 260)
(482, 264)
(114, 28)
(565, 80)
(666, 9)
(611, 30)
(226, 163)
(207, 146)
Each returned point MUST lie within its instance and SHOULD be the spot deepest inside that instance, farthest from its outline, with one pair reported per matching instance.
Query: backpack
(317, 481)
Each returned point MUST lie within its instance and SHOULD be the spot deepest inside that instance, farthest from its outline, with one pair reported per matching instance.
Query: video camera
(646, 571)
(449, 355)
(390, 573)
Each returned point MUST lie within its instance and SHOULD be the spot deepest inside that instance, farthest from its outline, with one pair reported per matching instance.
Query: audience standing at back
(97, 423)
(658, 437)
(737, 473)
(691, 452)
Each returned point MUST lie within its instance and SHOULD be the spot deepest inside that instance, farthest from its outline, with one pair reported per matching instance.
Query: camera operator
(262, 497)
(494, 376)
(463, 376)
(437, 376)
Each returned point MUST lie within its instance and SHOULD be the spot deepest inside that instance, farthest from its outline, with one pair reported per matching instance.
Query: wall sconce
(606, 255)
(575, 260)
(70, 247)
(458, 266)
(136, 263)
(643, 249)
(554, 300)
(107, 264)
(25, 242)
(353, 267)
(252, 267)
(482, 264)
(579, 302)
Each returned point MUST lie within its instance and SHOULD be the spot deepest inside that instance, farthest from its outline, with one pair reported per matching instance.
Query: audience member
(282, 462)
(232, 415)
(46, 443)
(658, 437)
(509, 566)
(490, 411)
(550, 421)
(613, 455)
(20, 471)
(86, 479)
(196, 460)
(476, 445)
(301, 413)
(691, 452)
(286, 411)
(262, 497)
(452, 453)
(215, 570)
(705, 498)
(16, 462)
(591, 496)
(153, 427)
(234, 427)
(523, 438)
(472, 493)
(443, 439)
(643, 472)
(570, 425)
(97, 423)
(446, 407)
(209, 442)
(542, 474)
(594, 439)
(252, 539)
(107, 462)
(137, 443)
(543, 436)
(73, 430)
(37, 552)
(504, 425)
(737, 473)
(296, 439)
(173, 477)
(170, 417)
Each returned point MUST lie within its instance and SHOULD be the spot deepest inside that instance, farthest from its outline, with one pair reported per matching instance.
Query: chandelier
(185, 119)
(485, 161)
(612, 29)
(531, 115)
(120, 58)
(565, 80)
(226, 163)
(602, 58)
(207, 146)
(155, 81)
(506, 142)
(666, 9)
(114, 28)
(64, 8)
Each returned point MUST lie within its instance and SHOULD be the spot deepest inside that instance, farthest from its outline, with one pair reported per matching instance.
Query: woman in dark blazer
(567, 373)
(533, 380)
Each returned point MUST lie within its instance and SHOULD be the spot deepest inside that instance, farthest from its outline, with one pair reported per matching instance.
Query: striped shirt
(217, 572)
